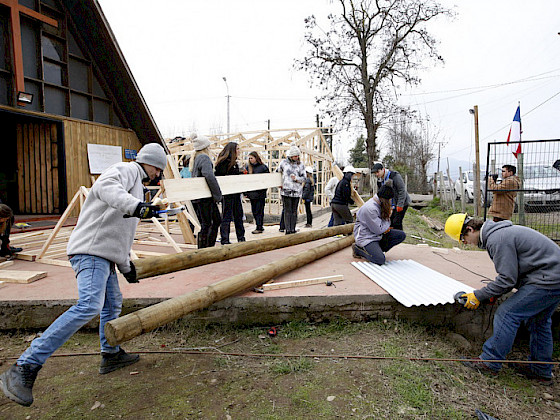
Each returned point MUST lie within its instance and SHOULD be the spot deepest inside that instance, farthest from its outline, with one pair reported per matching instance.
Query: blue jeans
(99, 294)
(375, 251)
(535, 307)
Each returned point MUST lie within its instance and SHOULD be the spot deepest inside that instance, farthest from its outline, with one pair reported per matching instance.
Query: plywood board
(13, 276)
(184, 189)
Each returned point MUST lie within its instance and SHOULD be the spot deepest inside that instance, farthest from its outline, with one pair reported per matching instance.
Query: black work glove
(131, 275)
(145, 211)
(495, 177)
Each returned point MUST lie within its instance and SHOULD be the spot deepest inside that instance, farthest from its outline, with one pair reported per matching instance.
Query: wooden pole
(477, 208)
(153, 266)
(132, 325)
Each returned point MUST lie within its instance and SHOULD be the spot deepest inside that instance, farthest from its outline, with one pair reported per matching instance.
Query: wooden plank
(54, 165)
(188, 189)
(16, 276)
(48, 168)
(37, 172)
(299, 283)
(167, 236)
(52, 261)
(6, 264)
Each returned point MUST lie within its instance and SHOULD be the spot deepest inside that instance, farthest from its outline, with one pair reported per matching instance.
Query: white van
(467, 186)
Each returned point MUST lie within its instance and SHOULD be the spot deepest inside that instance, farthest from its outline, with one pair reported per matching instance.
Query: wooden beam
(16, 276)
(299, 283)
(187, 189)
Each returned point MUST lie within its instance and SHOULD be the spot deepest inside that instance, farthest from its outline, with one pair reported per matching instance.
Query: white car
(541, 186)
(467, 186)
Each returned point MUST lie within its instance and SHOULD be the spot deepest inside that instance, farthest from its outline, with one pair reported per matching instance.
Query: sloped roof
(95, 30)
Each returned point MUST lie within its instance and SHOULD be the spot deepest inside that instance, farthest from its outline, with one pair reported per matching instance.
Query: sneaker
(17, 383)
(114, 361)
(308, 225)
(480, 367)
(281, 230)
(257, 231)
(525, 370)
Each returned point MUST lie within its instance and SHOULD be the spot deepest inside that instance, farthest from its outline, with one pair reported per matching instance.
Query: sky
(497, 54)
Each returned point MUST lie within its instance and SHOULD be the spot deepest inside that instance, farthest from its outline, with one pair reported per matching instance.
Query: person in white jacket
(101, 240)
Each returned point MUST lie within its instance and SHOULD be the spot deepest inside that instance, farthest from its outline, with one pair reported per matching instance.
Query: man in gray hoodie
(101, 240)
(527, 261)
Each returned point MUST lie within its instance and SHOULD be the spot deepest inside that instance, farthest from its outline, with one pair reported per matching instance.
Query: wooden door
(38, 167)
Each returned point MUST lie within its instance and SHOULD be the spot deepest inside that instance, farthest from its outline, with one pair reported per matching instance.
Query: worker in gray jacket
(401, 201)
(101, 240)
(527, 261)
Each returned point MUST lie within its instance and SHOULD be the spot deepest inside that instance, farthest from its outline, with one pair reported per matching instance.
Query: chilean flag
(514, 136)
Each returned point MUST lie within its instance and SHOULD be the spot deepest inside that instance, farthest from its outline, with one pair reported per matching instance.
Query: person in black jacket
(342, 197)
(258, 197)
(6, 221)
(401, 201)
(226, 164)
(308, 195)
(206, 208)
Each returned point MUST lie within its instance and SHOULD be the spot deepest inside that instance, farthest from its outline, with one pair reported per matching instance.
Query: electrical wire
(486, 279)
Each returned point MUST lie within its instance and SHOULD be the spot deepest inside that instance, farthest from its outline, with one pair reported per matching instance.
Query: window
(55, 100)
(52, 48)
(52, 73)
(78, 75)
(80, 106)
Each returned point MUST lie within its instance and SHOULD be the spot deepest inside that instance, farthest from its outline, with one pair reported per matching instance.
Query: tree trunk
(154, 266)
(129, 326)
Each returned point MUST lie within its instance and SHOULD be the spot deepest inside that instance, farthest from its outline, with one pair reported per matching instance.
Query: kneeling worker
(372, 231)
(529, 262)
(101, 240)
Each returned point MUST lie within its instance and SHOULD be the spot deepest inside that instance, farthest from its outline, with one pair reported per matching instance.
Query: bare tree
(370, 47)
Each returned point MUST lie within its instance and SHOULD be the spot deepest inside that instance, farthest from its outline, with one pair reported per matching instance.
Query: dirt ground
(243, 373)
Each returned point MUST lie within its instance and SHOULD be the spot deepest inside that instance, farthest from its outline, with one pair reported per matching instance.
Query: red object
(272, 332)
(399, 209)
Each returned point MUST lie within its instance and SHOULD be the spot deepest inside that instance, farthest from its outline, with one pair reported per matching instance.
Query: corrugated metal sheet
(411, 283)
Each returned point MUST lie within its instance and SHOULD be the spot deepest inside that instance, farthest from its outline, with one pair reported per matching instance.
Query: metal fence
(537, 202)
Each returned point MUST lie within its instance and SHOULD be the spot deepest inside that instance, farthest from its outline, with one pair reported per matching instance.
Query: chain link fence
(537, 203)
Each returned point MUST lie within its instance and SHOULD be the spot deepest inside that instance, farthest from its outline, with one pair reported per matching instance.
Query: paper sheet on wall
(101, 156)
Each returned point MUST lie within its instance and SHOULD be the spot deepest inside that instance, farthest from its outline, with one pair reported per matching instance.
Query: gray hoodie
(521, 256)
(101, 229)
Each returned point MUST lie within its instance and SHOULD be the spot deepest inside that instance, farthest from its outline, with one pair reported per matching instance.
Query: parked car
(439, 188)
(467, 186)
(541, 184)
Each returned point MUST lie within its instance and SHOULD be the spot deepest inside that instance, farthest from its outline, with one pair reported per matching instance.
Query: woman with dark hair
(226, 164)
(258, 197)
(372, 231)
(308, 195)
(6, 221)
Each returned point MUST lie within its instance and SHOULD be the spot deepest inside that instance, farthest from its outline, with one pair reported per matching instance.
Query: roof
(118, 76)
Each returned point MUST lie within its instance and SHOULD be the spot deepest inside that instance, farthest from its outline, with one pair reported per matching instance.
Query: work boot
(525, 370)
(17, 383)
(355, 252)
(114, 361)
(480, 367)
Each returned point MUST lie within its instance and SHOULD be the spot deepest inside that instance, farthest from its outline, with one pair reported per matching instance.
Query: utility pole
(227, 96)
(477, 209)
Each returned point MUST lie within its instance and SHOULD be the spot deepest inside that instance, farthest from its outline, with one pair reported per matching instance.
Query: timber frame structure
(272, 146)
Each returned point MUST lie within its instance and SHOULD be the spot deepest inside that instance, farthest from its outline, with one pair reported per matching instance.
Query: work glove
(145, 211)
(472, 301)
(495, 177)
(131, 275)
(399, 209)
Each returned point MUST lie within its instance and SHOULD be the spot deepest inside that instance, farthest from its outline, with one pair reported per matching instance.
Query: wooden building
(64, 84)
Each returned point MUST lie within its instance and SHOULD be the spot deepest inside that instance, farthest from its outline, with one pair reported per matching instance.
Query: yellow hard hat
(454, 225)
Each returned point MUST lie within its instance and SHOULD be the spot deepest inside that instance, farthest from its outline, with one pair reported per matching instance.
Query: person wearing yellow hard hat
(525, 260)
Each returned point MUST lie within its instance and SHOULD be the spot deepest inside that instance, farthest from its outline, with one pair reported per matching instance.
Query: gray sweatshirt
(369, 226)
(203, 168)
(101, 229)
(521, 256)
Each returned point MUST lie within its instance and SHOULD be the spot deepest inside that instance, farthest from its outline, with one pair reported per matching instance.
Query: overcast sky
(496, 53)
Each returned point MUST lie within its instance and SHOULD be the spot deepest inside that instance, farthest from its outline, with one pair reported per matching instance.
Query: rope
(313, 356)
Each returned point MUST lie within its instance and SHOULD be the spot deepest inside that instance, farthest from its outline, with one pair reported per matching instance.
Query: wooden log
(149, 267)
(144, 320)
